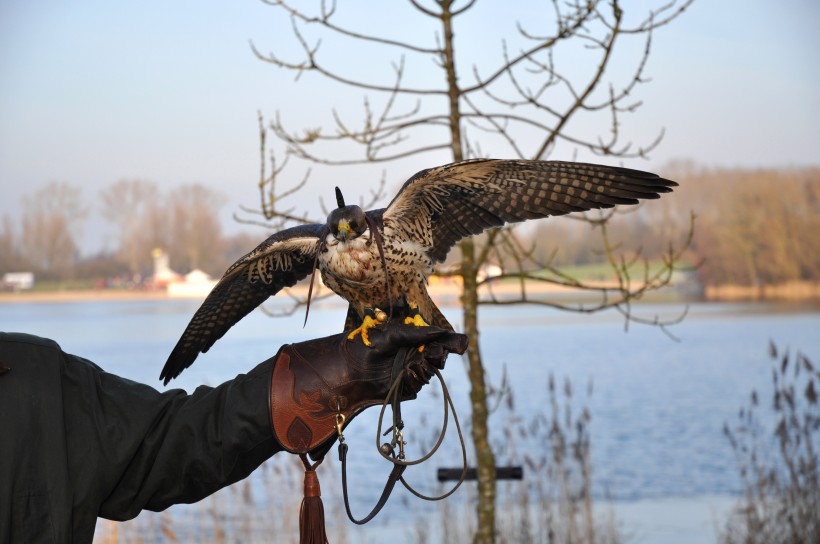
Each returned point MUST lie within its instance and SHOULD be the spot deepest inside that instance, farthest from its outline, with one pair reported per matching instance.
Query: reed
(776, 447)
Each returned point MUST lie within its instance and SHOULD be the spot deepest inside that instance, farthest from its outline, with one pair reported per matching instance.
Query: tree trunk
(485, 459)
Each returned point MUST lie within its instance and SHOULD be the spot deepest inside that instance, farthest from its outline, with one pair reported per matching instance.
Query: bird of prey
(380, 258)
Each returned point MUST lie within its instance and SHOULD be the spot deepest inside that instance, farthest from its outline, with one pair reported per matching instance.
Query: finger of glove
(453, 342)
(434, 355)
(418, 373)
(410, 336)
(421, 370)
(415, 380)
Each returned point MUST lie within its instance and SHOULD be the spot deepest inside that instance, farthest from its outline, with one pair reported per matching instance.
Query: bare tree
(196, 234)
(559, 82)
(10, 255)
(134, 207)
(52, 222)
(757, 226)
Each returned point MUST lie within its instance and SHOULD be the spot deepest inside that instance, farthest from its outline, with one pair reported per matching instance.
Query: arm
(77, 442)
(132, 447)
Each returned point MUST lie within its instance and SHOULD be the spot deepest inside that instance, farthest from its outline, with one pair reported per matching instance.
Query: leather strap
(388, 452)
(395, 476)
(396, 376)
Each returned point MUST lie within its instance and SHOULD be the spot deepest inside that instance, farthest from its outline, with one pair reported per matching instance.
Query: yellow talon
(367, 324)
(416, 320)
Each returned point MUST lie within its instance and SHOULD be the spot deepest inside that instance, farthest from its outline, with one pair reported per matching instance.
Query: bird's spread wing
(439, 206)
(280, 261)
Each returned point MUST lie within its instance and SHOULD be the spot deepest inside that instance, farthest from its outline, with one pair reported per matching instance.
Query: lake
(657, 404)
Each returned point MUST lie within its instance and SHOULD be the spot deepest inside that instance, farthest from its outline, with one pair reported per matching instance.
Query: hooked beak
(345, 231)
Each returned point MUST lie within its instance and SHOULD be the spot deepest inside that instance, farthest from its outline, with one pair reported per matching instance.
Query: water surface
(657, 404)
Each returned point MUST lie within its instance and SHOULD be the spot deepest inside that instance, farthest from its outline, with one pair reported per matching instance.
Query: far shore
(80, 295)
(444, 289)
(795, 291)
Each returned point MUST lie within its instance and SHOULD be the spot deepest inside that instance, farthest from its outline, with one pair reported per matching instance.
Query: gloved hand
(314, 381)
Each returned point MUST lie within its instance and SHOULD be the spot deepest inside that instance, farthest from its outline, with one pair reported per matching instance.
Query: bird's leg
(372, 318)
(416, 319)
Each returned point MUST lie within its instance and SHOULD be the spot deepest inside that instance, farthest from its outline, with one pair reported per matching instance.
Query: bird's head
(346, 222)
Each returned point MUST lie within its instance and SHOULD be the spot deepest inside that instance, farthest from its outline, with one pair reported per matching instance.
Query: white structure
(18, 281)
(163, 275)
(196, 284)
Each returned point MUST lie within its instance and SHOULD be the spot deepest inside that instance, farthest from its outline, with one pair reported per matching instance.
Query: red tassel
(312, 513)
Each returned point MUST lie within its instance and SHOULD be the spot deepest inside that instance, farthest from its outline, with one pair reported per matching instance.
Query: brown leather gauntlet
(314, 381)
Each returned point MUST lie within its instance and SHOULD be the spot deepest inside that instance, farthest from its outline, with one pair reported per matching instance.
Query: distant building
(18, 281)
(489, 271)
(197, 284)
(163, 275)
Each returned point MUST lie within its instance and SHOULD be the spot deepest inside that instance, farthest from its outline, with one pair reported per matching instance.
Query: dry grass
(776, 446)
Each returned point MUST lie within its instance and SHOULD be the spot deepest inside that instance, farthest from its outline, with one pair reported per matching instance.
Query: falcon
(381, 258)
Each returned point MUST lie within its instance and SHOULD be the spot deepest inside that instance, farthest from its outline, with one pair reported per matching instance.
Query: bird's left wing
(439, 206)
(280, 261)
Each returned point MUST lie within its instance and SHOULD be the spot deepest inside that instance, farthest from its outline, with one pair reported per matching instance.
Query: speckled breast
(354, 271)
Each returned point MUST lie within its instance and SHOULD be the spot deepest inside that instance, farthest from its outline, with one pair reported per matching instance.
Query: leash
(388, 449)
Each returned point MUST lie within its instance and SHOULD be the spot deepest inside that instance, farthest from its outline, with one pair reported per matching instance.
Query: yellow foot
(368, 323)
(416, 320)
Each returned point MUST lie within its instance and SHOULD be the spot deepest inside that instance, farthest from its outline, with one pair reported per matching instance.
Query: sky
(95, 91)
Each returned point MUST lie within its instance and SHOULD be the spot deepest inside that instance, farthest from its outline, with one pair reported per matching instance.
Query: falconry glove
(318, 384)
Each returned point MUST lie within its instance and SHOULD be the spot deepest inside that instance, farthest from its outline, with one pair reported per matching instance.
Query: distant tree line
(753, 227)
(184, 222)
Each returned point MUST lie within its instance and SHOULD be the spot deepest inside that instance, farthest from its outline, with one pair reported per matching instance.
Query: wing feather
(280, 261)
(445, 204)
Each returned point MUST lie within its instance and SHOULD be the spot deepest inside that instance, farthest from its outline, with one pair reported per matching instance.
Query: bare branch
(270, 195)
(303, 154)
(568, 114)
(523, 56)
(324, 21)
(310, 63)
(618, 294)
(656, 19)
(461, 10)
(424, 10)
(297, 301)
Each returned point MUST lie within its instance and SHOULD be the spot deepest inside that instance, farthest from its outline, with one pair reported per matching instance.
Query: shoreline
(797, 291)
(446, 289)
(81, 295)
(789, 292)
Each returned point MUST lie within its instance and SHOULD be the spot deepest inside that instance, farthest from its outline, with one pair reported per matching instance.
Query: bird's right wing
(280, 261)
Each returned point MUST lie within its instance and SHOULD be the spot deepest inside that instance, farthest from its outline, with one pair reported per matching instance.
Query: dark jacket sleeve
(122, 446)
